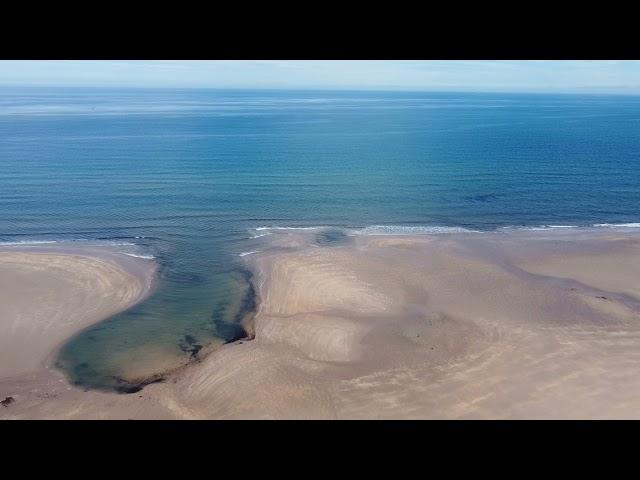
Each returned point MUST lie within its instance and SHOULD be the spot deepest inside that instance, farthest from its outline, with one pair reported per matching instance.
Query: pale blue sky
(525, 76)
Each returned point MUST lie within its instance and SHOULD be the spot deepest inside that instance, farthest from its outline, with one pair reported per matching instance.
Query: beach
(493, 325)
(205, 185)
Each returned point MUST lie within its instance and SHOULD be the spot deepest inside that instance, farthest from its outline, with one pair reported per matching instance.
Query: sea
(190, 179)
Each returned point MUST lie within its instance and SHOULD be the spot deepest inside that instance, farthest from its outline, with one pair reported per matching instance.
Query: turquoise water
(187, 177)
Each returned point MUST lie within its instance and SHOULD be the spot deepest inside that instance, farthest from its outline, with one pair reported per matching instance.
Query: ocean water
(188, 177)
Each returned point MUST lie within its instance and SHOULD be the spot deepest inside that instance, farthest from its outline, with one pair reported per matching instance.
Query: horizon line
(586, 91)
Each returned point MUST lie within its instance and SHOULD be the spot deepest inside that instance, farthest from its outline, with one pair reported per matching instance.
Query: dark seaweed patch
(7, 401)
(248, 306)
(482, 198)
(123, 386)
(231, 331)
(331, 237)
(187, 278)
(190, 346)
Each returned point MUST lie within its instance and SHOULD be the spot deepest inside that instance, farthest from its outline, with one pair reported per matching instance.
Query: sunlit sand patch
(319, 337)
(396, 242)
(610, 272)
(316, 282)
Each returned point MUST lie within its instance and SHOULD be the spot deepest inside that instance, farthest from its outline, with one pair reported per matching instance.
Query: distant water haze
(189, 177)
(546, 76)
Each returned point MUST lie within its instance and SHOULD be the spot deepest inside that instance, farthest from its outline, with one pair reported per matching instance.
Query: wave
(259, 229)
(590, 226)
(244, 254)
(146, 257)
(561, 226)
(125, 238)
(440, 229)
(87, 241)
(375, 229)
(121, 247)
(28, 242)
(614, 225)
(410, 230)
(539, 227)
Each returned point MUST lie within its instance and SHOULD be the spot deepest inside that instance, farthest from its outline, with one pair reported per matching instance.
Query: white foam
(125, 248)
(146, 257)
(595, 225)
(410, 230)
(80, 240)
(290, 228)
(106, 243)
(28, 242)
(537, 228)
(614, 225)
(244, 254)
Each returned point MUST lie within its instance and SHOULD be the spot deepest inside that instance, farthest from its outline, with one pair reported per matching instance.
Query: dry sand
(522, 325)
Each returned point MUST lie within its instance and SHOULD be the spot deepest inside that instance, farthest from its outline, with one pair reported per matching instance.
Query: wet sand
(491, 325)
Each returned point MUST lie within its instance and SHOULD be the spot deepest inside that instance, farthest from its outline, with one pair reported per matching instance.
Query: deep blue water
(186, 176)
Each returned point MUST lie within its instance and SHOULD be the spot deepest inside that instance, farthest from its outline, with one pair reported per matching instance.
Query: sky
(558, 76)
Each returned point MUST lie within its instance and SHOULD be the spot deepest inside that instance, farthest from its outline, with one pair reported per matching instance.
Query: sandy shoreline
(531, 325)
(524, 325)
(49, 295)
